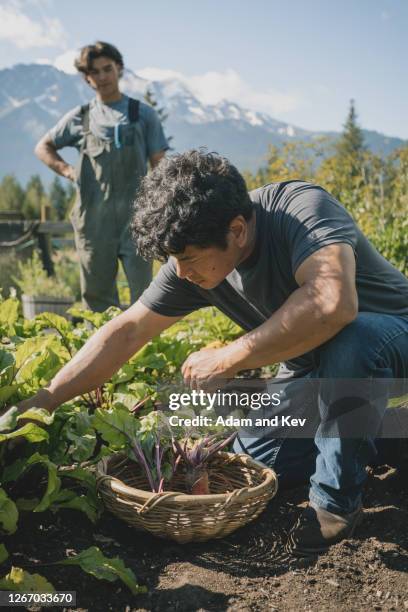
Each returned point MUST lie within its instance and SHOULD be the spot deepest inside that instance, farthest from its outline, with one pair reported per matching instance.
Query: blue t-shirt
(103, 118)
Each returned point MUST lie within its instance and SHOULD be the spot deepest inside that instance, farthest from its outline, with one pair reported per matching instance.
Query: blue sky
(299, 60)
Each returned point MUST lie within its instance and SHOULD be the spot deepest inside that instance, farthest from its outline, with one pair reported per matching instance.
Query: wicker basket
(240, 489)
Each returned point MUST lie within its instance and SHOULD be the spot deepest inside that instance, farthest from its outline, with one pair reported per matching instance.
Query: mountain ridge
(34, 96)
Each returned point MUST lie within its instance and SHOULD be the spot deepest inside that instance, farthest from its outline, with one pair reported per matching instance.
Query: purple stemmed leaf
(202, 450)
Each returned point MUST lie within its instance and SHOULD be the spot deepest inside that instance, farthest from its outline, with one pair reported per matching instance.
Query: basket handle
(153, 501)
(233, 497)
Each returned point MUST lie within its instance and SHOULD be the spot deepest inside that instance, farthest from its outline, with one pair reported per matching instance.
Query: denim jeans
(373, 346)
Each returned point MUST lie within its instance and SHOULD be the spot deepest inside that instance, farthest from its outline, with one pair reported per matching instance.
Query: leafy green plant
(196, 458)
(33, 280)
(67, 271)
(147, 441)
(56, 453)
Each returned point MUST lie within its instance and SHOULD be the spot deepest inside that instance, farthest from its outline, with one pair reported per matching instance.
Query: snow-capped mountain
(33, 97)
(181, 104)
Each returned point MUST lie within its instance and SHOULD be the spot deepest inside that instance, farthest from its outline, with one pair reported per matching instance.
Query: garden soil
(247, 571)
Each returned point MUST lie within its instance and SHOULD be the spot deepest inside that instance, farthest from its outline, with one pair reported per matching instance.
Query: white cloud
(159, 74)
(212, 87)
(43, 61)
(65, 61)
(25, 32)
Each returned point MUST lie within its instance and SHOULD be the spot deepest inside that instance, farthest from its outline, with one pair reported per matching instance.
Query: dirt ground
(248, 571)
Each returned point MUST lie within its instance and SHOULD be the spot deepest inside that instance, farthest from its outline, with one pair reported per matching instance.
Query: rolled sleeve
(315, 220)
(155, 139)
(68, 132)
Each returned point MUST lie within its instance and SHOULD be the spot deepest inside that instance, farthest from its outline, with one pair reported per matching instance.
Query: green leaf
(53, 484)
(7, 367)
(22, 582)
(3, 553)
(37, 414)
(6, 392)
(31, 432)
(9, 314)
(79, 433)
(83, 446)
(8, 513)
(8, 420)
(122, 401)
(82, 503)
(81, 474)
(126, 373)
(94, 562)
(87, 480)
(115, 425)
(96, 318)
(14, 471)
(30, 346)
(149, 357)
(38, 370)
(51, 319)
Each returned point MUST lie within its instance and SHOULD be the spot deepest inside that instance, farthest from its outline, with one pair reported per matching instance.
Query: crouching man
(288, 264)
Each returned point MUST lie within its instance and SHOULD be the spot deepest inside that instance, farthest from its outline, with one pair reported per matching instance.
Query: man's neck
(109, 99)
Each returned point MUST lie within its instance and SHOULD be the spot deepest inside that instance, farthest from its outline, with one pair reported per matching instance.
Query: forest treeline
(373, 189)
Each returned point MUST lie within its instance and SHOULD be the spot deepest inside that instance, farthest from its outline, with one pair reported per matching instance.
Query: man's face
(207, 267)
(104, 76)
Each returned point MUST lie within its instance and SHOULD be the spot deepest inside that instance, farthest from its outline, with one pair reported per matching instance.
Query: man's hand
(45, 151)
(206, 368)
(42, 399)
(69, 173)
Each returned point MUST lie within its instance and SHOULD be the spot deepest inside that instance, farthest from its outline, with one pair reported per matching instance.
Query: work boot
(316, 529)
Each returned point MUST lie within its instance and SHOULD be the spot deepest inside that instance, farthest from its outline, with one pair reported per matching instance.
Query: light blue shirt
(103, 118)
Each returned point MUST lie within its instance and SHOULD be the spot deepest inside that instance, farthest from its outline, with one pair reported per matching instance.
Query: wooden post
(44, 241)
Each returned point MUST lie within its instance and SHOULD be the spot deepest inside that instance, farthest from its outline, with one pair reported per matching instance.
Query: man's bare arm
(325, 302)
(45, 151)
(104, 353)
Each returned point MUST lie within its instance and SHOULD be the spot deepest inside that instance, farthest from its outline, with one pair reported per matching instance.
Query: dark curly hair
(188, 199)
(88, 54)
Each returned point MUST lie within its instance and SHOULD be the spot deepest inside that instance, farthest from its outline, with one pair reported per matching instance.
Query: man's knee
(351, 353)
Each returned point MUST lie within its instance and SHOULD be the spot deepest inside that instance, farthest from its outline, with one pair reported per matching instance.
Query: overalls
(108, 175)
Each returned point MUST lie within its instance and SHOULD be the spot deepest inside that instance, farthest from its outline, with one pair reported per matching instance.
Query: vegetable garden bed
(52, 523)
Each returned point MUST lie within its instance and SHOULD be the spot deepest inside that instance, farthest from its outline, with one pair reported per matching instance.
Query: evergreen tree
(400, 180)
(347, 172)
(351, 143)
(35, 196)
(11, 194)
(58, 198)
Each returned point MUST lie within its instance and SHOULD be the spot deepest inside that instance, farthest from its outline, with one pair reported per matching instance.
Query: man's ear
(238, 227)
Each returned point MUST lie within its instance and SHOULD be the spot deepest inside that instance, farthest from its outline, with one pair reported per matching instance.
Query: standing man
(116, 136)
